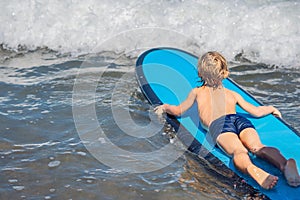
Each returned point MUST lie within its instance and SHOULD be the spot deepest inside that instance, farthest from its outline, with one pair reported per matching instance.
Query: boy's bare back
(214, 103)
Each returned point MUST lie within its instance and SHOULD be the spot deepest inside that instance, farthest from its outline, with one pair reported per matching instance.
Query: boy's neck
(214, 87)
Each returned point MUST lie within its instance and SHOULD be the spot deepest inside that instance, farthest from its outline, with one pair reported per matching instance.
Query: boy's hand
(276, 113)
(159, 111)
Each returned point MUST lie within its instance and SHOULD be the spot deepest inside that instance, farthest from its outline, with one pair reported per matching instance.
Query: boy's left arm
(257, 111)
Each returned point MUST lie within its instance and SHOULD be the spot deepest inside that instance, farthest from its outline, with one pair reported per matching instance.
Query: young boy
(233, 133)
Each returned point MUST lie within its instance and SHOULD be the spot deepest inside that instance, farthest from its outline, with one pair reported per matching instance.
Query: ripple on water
(54, 163)
(18, 187)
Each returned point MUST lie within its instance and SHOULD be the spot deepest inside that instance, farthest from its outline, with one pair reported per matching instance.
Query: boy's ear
(226, 74)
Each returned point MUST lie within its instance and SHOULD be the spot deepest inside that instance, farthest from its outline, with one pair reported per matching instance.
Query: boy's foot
(291, 173)
(264, 179)
(269, 182)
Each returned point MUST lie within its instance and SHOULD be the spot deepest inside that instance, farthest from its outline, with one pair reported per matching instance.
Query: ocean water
(50, 49)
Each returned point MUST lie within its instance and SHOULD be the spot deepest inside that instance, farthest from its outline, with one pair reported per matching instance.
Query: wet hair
(212, 69)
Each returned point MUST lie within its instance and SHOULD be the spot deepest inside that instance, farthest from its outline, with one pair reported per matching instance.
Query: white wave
(264, 31)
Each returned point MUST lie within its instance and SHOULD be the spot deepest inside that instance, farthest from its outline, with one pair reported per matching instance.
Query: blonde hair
(212, 69)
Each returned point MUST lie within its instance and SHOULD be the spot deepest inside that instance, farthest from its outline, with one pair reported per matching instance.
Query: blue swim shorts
(229, 123)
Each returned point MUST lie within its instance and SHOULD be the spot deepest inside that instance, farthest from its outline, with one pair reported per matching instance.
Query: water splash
(262, 31)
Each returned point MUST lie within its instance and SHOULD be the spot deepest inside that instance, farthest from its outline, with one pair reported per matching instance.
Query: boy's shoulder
(233, 94)
(200, 90)
(230, 91)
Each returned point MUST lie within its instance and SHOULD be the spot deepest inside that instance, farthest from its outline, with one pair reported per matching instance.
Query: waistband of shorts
(223, 117)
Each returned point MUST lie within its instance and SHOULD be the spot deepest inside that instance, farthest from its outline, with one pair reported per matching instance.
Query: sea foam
(261, 31)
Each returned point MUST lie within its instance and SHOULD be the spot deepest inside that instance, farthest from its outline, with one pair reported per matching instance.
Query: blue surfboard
(167, 75)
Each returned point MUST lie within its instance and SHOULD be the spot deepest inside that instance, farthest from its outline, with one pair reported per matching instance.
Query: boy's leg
(251, 140)
(273, 156)
(232, 145)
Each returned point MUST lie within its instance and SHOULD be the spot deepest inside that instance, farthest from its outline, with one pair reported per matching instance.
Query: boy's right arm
(177, 110)
(257, 111)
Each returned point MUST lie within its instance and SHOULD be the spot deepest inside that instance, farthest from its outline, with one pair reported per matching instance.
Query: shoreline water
(42, 155)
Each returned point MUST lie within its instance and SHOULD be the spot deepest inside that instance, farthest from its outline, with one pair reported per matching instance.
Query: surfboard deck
(167, 75)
